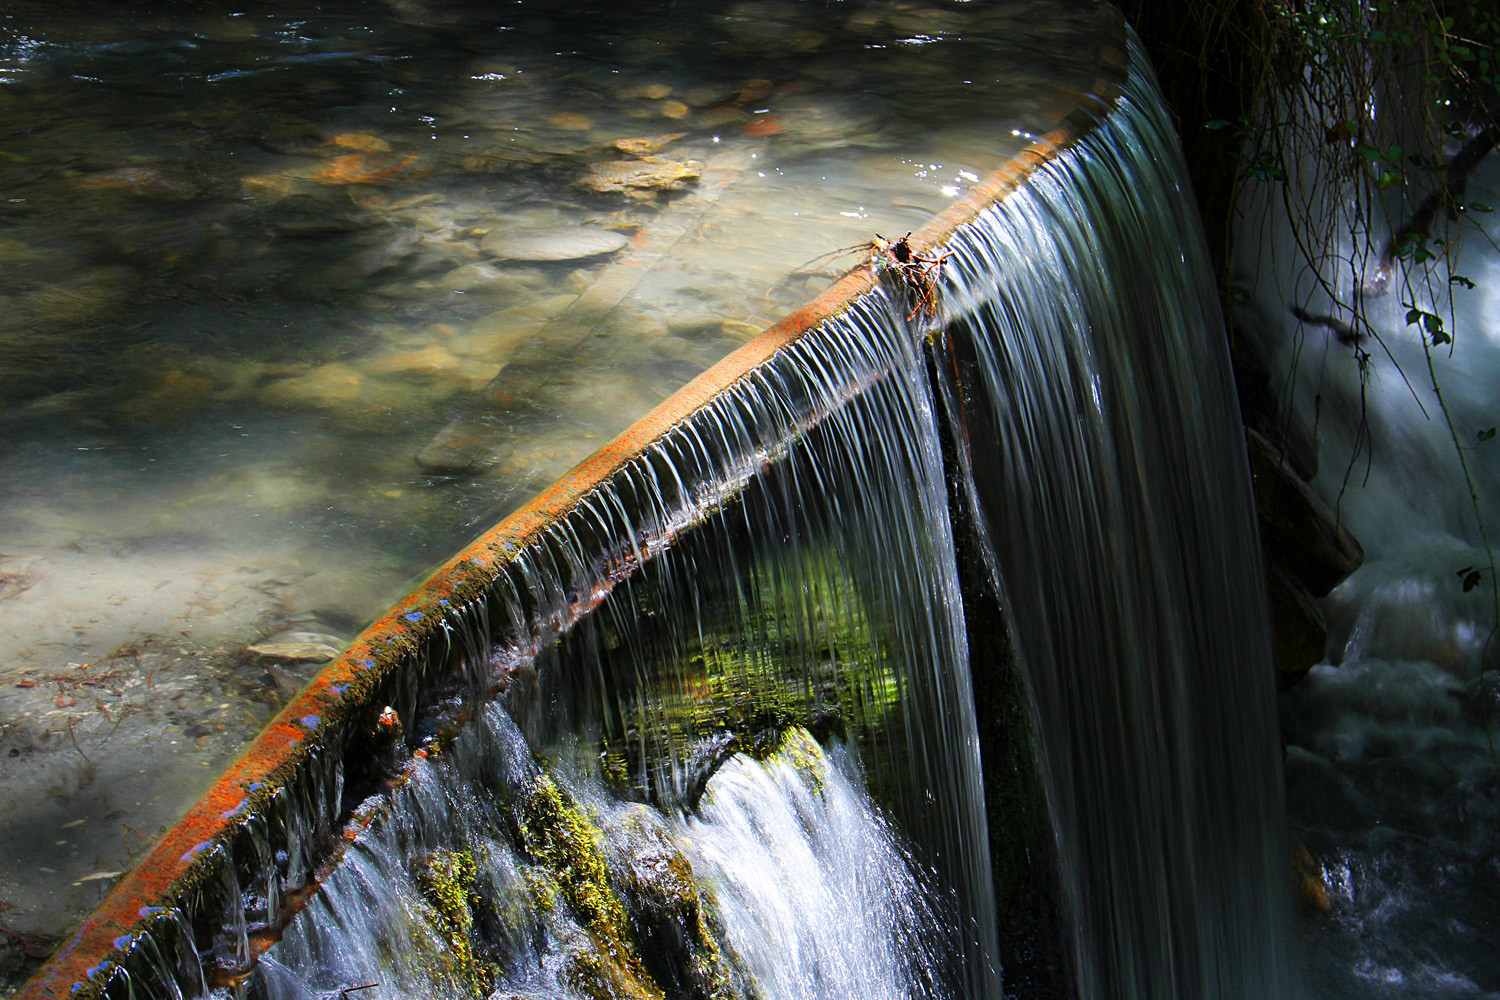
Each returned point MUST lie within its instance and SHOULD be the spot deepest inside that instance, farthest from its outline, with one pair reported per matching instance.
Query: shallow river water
(297, 298)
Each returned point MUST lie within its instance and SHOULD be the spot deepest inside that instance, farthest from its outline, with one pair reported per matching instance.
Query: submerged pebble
(576, 243)
(645, 177)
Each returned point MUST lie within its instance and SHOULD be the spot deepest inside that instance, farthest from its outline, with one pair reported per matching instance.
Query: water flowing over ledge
(813, 536)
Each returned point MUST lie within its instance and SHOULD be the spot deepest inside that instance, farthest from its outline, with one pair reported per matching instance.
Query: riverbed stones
(479, 279)
(558, 243)
(372, 167)
(429, 361)
(88, 297)
(360, 142)
(644, 178)
(646, 91)
(646, 145)
(157, 183)
(570, 121)
(317, 386)
(293, 652)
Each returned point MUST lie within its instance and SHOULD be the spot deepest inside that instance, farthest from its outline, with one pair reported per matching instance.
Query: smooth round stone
(553, 244)
(294, 652)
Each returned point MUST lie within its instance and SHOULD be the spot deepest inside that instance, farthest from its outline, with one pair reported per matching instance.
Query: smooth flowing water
(1107, 457)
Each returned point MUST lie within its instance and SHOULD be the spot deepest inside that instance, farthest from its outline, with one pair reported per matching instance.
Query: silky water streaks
(745, 771)
(1108, 458)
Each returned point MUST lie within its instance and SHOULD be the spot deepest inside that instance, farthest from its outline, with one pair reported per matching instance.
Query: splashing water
(789, 871)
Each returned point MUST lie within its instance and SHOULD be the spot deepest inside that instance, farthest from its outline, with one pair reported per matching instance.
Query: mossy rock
(559, 836)
(811, 655)
(668, 909)
(447, 879)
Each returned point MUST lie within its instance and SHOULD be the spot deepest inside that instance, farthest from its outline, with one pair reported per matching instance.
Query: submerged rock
(477, 278)
(293, 652)
(361, 142)
(372, 167)
(553, 244)
(646, 145)
(151, 183)
(570, 121)
(645, 177)
(425, 362)
(319, 386)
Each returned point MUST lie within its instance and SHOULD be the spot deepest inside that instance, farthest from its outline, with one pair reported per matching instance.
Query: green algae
(560, 837)
(798, 645)
(447, 879)
(796, 748)
(670, 910)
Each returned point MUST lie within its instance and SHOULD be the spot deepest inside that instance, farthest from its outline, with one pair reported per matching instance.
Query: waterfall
(1108, 461)
(738, 752)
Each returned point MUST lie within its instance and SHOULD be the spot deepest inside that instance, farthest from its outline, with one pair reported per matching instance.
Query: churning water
(1392, 778)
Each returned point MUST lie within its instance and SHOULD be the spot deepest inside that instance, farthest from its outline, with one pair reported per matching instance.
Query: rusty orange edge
(179, 862)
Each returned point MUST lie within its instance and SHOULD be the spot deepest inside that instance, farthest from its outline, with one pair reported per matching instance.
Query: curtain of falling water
(809, 582)
(824, 593)
(1108, 457)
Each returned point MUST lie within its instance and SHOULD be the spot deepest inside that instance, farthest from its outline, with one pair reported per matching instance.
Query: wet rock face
(446, 879)
(1297, 527)
(1299, 630)
(655, 881)
(1307, 551)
